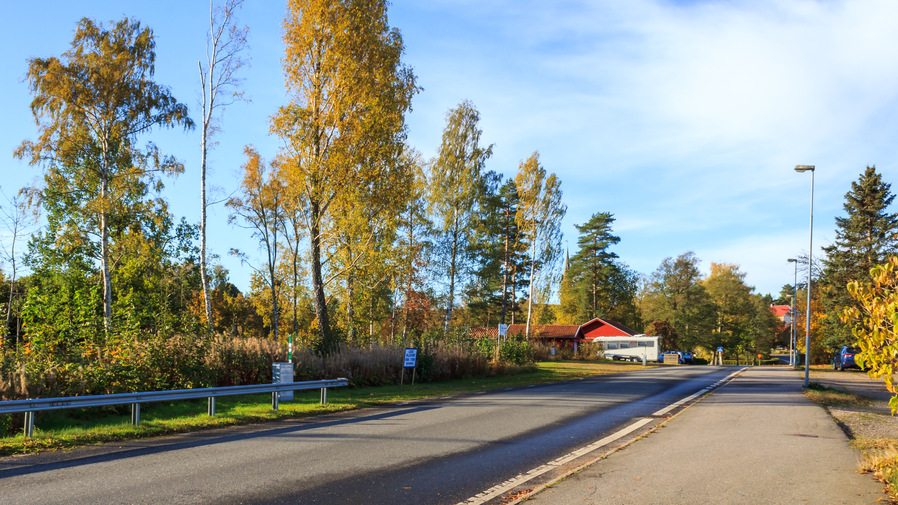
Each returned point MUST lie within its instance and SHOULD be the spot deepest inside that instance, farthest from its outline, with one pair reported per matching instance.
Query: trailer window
(650, 343)
(641, 344)
(625, 345)
(611, 345)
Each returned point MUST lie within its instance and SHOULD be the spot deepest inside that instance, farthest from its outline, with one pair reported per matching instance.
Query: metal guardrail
(29, 407)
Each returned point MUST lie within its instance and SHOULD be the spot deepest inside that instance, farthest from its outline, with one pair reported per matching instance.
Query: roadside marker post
(503, 332)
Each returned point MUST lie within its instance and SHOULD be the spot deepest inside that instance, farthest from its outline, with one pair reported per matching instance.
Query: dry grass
(880, 457)
(871, 432)
(831, 397)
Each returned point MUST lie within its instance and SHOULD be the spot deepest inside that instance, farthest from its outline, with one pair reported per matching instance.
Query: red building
(560, 335)
(781, 311)
(588, 332)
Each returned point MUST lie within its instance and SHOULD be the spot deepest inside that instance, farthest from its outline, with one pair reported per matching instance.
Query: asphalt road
(428, 452)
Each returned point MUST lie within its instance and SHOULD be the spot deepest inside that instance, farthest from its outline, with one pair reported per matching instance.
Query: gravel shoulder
(869, 422)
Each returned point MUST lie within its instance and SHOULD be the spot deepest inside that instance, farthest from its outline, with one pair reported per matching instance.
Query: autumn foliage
(875, 323)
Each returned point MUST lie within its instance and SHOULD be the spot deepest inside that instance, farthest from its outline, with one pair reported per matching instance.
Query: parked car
(687, 356)
(845, 358)
(680, 359)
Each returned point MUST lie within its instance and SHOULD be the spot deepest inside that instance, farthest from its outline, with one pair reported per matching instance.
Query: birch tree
(261, 209)
(17, 221)
(345, 123)
(225, 44)
(90, 106)
(454, 180)
(539, 215)
(414, 237)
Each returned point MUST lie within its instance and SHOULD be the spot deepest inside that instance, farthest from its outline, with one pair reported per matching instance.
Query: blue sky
(683, 119)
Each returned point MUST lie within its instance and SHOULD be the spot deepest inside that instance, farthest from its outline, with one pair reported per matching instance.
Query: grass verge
(879, 455)
(63, 429)
(832, 397)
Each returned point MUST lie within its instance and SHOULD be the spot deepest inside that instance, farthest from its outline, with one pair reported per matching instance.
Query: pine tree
(499, 254)
(483, 292)
(865, 237)
(593, 262)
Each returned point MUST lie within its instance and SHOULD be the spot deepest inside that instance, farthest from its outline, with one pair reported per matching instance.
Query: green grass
(75, 427)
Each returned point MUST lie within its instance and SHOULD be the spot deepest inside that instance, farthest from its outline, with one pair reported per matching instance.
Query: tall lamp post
(792, 314)
(807, 335)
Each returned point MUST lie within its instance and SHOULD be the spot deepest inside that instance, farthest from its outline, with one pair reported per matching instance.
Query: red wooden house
(560, 335)
(588, 332)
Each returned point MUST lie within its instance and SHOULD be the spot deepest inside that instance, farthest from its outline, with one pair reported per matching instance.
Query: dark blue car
(845, 358)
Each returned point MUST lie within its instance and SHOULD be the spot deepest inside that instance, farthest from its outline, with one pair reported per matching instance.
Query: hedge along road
(449, 450)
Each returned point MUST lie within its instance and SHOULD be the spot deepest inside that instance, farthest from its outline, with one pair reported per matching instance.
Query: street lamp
(792, 314)
(807, 335)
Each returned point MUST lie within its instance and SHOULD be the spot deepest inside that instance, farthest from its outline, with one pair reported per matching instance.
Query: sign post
(503, 331)
(410, 361)
(282, 373)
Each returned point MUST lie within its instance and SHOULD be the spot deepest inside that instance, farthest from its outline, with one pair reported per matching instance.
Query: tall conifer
(866, 236)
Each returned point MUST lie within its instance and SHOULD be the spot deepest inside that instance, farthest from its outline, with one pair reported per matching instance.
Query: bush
(5, 424)
(516, 351)
(590, 351)
(179, 362)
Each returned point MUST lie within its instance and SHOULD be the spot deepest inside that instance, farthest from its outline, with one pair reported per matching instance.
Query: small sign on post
(282, 373)
(410, 361)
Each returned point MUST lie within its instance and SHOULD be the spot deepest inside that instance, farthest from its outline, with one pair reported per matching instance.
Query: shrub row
(179, 362)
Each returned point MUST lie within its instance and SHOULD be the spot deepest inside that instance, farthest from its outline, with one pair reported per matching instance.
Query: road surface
(429, 452)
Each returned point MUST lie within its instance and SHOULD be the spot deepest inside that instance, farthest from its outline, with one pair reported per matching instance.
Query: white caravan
(633, 348)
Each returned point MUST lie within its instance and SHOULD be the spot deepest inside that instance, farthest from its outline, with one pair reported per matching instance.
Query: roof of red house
(780, 310)
(604, 328)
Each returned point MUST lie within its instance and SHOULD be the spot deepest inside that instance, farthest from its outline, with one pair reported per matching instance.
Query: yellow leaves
(875, 323)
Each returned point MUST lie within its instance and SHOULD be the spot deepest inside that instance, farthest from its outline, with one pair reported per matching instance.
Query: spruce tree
(865, 237)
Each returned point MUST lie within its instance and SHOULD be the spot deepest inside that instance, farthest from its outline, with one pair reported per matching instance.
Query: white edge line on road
(510, 484)
(717, 384)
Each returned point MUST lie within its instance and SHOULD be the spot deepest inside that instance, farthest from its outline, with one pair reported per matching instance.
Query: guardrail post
(135, 414)
(211, 409)
(274, 400)
(29, 424)
(324, 396)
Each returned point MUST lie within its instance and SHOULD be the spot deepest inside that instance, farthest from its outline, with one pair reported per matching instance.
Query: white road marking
(520, 479)
(510, 484)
